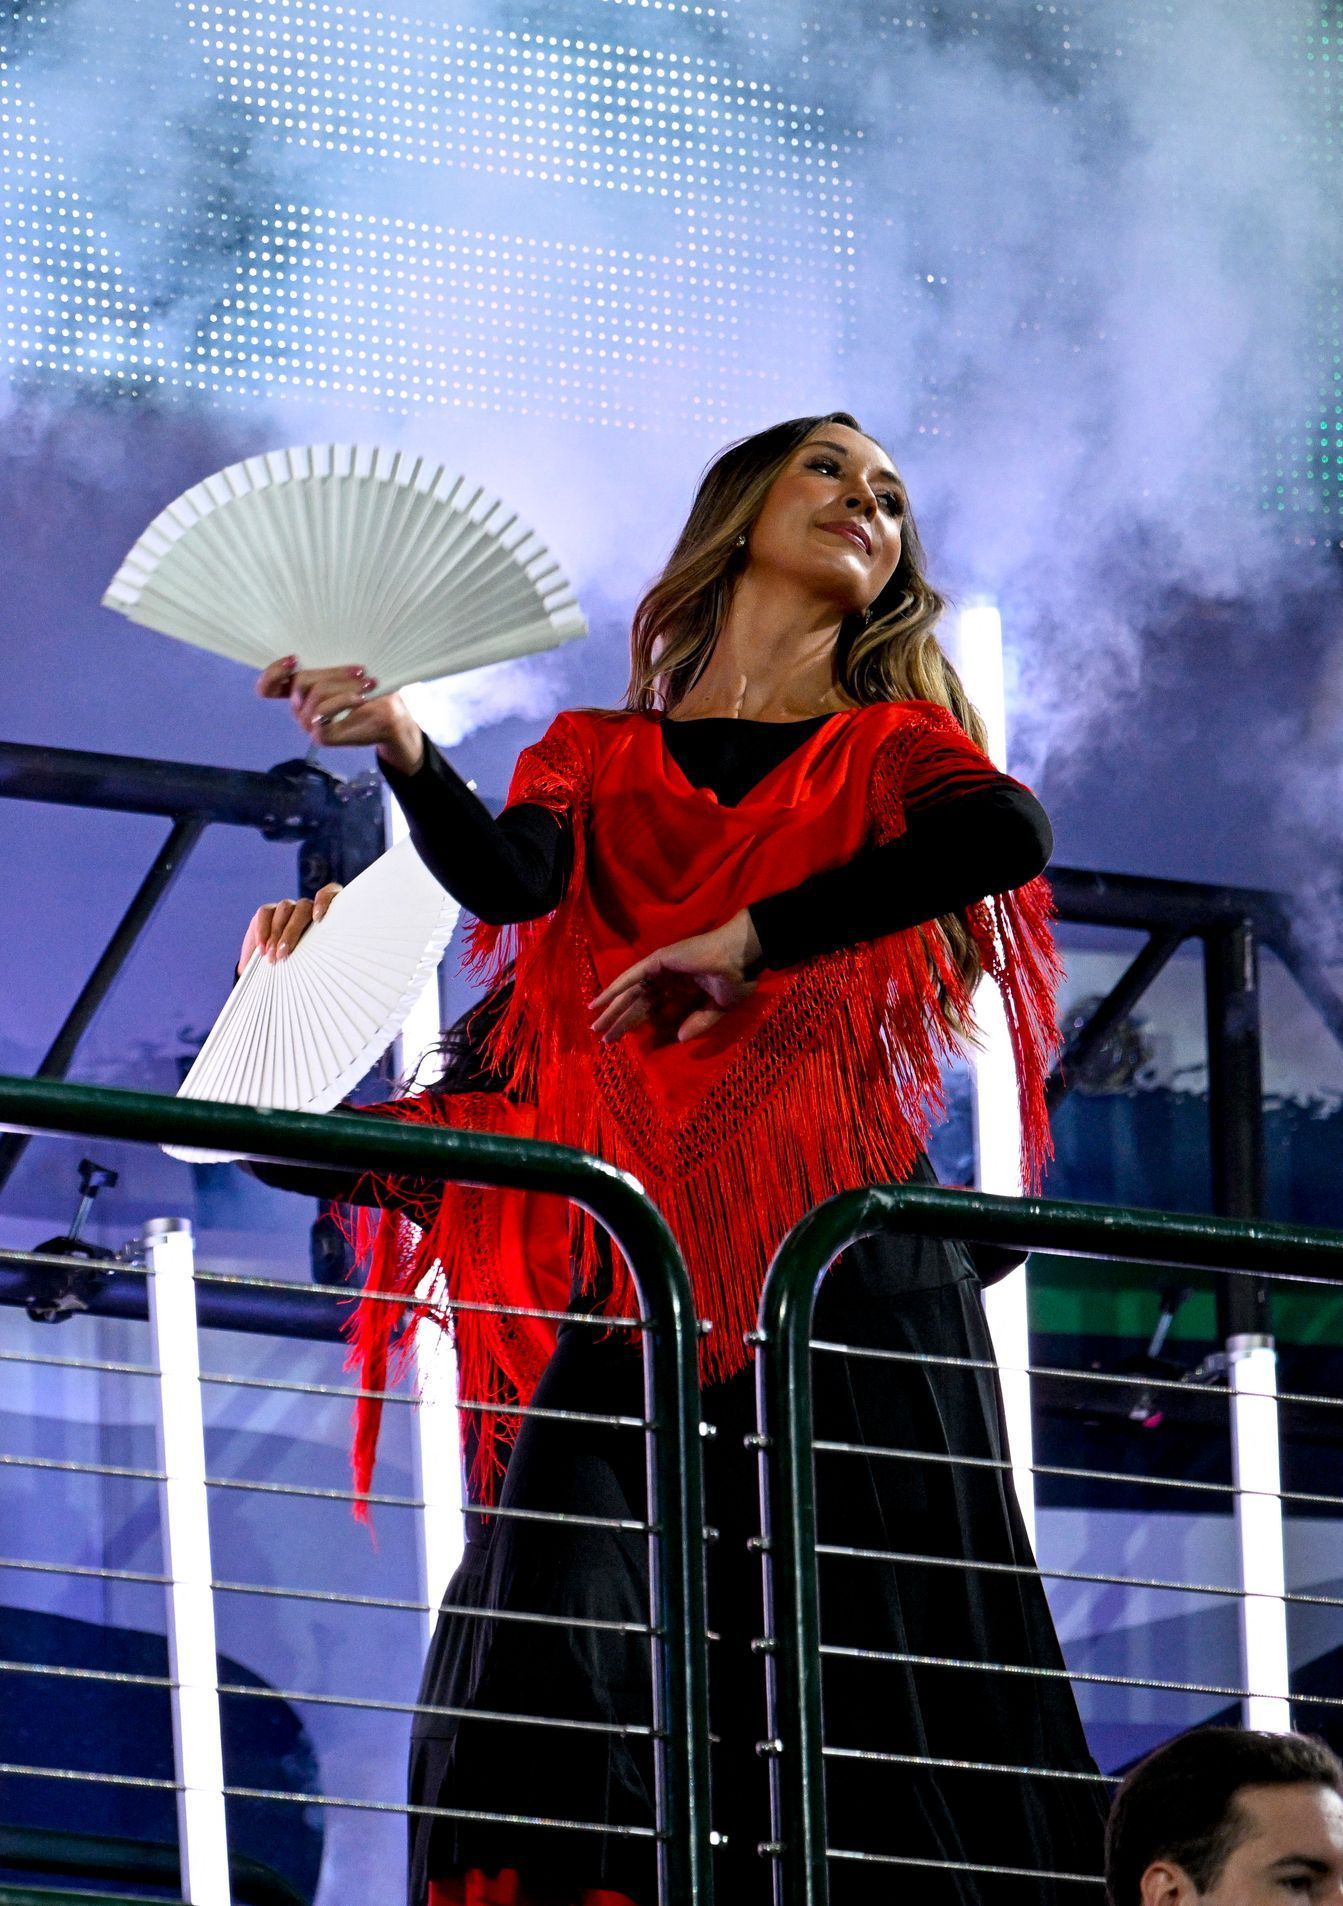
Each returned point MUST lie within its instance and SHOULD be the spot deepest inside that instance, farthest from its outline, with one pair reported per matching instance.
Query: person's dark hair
(1180, 1803)
(462, 1048)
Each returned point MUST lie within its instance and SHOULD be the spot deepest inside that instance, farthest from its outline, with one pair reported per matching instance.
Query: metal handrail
(615, 1200)
(784, 1390)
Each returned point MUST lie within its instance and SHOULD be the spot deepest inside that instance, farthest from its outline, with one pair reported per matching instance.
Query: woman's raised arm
(502, 870)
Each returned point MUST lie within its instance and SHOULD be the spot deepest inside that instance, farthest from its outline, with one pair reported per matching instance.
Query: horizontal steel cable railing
(794, 1647)
(676, 1627)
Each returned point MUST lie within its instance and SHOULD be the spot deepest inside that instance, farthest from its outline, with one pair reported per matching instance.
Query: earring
(741, 540)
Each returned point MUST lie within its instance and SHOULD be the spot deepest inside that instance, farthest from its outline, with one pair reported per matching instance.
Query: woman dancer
(743, 918)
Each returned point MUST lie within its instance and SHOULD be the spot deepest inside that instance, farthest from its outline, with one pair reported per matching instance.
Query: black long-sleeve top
(954, 850)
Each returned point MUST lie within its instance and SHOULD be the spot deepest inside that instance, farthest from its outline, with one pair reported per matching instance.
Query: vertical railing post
(792, 1598)
(192, 1657)
(678, 1607)
(1244, 1322)
(1252, 1378)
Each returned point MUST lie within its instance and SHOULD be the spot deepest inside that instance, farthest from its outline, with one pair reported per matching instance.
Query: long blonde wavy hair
(888, 653)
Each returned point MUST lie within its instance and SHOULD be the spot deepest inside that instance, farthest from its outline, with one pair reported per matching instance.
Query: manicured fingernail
(356, 672)
(283, 953)
(370, 682)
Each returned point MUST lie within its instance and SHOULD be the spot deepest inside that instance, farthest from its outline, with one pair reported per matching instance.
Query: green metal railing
(676, 1494)
(784, 1378)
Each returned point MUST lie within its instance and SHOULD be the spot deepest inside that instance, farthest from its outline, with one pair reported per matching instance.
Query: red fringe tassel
(463, 1242)
(506, 1889)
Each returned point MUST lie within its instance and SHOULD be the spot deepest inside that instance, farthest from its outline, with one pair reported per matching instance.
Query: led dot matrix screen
(634, 214)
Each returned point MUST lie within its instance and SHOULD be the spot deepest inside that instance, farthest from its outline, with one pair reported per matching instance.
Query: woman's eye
(892, 504)
(826, 465)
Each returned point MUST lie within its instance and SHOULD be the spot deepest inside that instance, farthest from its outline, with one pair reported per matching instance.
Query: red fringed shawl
(823, 1081)
(478, 1248)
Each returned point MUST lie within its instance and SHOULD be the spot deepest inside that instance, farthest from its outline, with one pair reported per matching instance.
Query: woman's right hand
(336, 708)
(277, 929)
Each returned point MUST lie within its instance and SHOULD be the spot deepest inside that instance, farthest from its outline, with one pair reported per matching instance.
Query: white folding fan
(344, 553)
(296, 1034)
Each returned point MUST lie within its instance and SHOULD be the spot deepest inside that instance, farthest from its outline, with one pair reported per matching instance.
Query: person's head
(1231, 1818)
(774, 504)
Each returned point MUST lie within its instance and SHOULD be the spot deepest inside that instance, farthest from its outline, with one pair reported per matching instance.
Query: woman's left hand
(719, 965)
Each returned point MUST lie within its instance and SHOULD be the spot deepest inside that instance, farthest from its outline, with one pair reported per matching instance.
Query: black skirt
(909, 1295)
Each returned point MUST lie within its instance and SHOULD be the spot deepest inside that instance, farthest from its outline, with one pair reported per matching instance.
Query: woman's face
(832, 519)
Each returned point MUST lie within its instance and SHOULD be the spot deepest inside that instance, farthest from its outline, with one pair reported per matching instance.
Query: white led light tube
(198, 1751)
(438, 1465)
(437, 1461)
(979, 659)
(1252, 1373)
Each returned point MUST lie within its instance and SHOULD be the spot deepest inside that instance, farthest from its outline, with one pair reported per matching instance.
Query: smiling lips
(853, 532)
